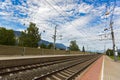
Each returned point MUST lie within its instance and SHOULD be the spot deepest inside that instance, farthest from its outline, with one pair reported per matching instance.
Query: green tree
(118, 53)
(7, 37)
(30, 37)
(50, 46)
(83, 49)
(43, 46)
(74, 46)
(109, 52)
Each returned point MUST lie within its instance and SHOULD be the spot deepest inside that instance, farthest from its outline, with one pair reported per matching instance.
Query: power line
(58, 12)
(64, 17)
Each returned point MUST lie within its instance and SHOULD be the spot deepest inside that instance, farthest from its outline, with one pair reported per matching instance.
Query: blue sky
(80, 20)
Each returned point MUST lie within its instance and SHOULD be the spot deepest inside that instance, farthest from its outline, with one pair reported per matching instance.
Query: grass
(113, 57)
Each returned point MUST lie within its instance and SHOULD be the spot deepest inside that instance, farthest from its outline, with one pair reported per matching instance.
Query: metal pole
(54, 37)
(87, 49)
(113, 41)
(42, 42)
(105, 47)
(112, 32)
(23, 53)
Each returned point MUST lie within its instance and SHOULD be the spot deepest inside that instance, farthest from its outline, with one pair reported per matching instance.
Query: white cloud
(79, 27)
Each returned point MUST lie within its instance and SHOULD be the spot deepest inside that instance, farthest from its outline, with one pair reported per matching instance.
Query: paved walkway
(111, 69)
(94, 71)
(103, 69)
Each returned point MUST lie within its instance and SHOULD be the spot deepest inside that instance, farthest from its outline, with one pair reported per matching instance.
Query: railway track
(66, 68)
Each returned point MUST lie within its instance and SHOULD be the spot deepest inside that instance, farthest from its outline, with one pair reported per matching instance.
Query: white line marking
(102, 74)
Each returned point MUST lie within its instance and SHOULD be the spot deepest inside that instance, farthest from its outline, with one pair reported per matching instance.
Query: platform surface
(93, 72)
(104, 68)
(111, 69)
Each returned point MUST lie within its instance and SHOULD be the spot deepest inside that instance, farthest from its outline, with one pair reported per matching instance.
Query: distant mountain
(17, 33)
(58, 45)
(44, 42)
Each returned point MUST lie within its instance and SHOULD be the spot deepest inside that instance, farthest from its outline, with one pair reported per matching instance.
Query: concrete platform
(111, 70)
(93, 72)
(33, 56)
(103, 69)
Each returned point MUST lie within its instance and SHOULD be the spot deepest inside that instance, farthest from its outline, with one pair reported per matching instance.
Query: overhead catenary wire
(82, 32)
(73, 25)
(61, 14)
(69, 22)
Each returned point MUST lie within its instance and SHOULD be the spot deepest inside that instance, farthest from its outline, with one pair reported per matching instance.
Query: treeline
(49, 46)
(109, 52)
(29, 38)
(7, 37)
